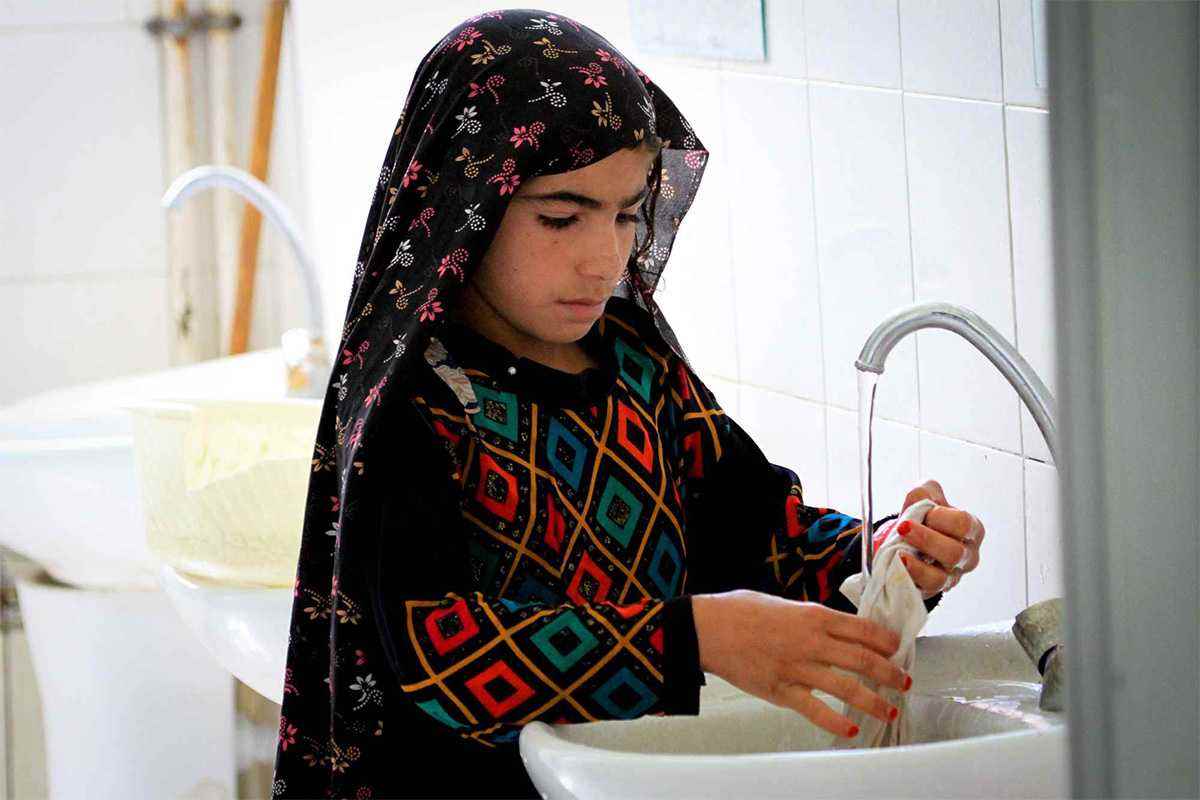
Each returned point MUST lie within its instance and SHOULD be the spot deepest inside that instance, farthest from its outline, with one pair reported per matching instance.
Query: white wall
(886, 153)
(83, 269)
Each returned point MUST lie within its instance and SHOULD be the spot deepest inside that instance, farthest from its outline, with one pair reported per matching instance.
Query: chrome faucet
(306, 360)
(1038, 628)
(987, 340)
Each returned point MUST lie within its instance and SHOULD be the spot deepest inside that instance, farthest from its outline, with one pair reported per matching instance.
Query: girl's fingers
(955, 523)
(844, 687)
(861, 630)
(928, 577)
(864, 661)
(945, 549)
(800, 698)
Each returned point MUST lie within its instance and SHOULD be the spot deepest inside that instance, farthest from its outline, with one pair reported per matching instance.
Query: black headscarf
(503, 97)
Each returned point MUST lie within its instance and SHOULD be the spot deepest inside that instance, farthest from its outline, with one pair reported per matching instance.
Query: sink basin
(66, 457)
(977, 732)
(224, 484)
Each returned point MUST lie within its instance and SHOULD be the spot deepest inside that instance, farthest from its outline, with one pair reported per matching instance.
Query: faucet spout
(270, 204)
(984, 337)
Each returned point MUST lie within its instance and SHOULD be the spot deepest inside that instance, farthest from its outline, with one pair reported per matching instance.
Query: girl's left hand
(949, 541)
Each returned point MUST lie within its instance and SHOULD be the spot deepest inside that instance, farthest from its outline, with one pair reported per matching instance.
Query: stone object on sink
(1040, 631)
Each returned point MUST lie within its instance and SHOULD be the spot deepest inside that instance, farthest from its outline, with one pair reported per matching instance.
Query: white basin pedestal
(133, 706)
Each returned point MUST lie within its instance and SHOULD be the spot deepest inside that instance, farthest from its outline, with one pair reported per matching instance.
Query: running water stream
(867, 384)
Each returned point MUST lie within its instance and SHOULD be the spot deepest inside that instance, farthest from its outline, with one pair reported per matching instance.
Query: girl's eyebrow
(584, 200)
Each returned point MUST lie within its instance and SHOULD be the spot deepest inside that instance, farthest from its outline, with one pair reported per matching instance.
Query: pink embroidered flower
(410, 174)
(431, 307)
(594, 75)
(373, 392)
(466, 37)
(287, 733)
(520, 136)
(350, 357)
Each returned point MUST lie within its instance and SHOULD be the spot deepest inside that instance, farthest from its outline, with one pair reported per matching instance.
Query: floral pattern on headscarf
(503, 97)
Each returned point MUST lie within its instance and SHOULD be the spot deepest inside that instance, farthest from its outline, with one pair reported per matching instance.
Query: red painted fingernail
(853, 731)
(905, 527)
(907, 682)
(895, 712)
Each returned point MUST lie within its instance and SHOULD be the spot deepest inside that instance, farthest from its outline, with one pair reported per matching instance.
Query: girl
(524, 503)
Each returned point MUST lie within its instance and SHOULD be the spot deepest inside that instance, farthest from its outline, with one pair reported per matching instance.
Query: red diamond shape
(589, 567)
(469, 627)
(507, 508)
(478, 687)
(627, 417)
(556, 525)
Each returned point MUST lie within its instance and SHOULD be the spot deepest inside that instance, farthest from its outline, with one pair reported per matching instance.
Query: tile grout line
(816, 251)
(912, 259)
(1012, 281)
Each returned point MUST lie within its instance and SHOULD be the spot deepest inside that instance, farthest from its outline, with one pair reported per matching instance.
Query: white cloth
(894, 601)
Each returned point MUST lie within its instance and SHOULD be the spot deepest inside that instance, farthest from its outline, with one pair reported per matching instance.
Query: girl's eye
(562, 222)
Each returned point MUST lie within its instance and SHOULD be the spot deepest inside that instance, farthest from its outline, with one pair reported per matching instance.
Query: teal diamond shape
(636, 368)
(564, 661)
(498, 411)
(624, 678)
(665, 551)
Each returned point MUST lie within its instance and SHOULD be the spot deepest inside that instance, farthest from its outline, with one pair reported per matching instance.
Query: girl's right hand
(780, 650)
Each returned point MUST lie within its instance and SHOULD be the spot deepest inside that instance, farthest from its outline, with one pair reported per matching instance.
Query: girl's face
(563, 237)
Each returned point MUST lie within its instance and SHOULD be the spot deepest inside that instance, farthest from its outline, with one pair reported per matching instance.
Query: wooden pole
(258, 163)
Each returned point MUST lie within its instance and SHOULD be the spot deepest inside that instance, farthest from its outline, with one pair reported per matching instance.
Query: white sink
(977, 732)
(245, 628)
(72, 502)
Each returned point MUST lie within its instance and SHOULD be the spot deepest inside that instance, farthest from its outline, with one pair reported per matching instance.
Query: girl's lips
(583, 308)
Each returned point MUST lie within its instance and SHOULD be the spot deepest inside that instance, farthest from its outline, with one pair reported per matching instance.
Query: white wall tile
(696, 290)
(71, 331)
(987, 483)
(894, 464)
(775, 276)
(862, 239)
(1033, 256)
(61, 13)
(784, 23)
(81, 160)
(1043, 532)
(853, 41)
(1020, 47)
(791, 433)
(959, 203)
(951, 47)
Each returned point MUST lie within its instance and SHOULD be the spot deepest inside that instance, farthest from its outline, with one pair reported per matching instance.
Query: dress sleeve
(482, 666)
(748, 525)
